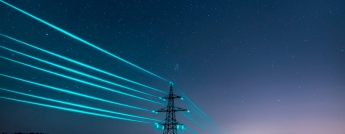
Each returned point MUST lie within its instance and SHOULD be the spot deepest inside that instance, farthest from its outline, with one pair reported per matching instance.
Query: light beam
(96, 47)
(192, 131)
(197, 123)
(77, 105)
(75, 71)
(72, 110)
(81, 81)
(203, 114)
(74, 93)
(81, 40)
(81, 64)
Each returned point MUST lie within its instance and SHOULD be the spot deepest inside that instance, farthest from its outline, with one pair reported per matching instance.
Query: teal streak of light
(198, 110)
(195, 122)
(74, 93)
(72, 110)
(75, 71)
(77, 105)
(203, 119)
(195, 106)
(190, 119)
(81, 64)
(81, 40)
(191, 131)
(201, 122)
(81, 81)
(77, 38)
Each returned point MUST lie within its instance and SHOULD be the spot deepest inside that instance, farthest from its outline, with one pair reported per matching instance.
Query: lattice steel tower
(170, 124)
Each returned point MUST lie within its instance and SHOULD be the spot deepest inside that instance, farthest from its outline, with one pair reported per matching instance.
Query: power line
(81, 64)
(60, 66)
(96, 47)
(75, 71)
(72, 110)
(81, 81)
(77, 105)
(203, 123)
(203, 114)
(196, 122)
(81, 40)
(74, 93)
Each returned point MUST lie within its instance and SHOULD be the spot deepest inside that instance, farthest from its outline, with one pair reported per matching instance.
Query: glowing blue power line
(195, 105)
(196, 118)
(81, 81)
(203, 119)
(206, 123)
(75, 71)
(74, 93)
(203, 115)
(192, 131)
(81, 64)
(81, 40)
(190, 119)
(196, 122)
(77, 105)
(72, 110)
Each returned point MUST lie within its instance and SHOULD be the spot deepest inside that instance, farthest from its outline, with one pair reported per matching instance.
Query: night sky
(253, 66)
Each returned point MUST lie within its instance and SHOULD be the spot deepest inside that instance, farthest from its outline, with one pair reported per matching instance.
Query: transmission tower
(170, 124)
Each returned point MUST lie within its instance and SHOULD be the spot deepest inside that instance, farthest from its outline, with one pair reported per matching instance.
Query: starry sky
(253, 66)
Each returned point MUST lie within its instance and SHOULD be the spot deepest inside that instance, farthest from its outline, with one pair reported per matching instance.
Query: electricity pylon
(170, 124)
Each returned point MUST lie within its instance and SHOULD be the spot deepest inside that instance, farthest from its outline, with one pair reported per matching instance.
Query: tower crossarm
(171, 97)
(176, 109)
(162, 110)
(172, 123)
(179, 109)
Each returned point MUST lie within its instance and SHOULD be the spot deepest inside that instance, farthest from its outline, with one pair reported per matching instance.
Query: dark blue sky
(254, 66)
